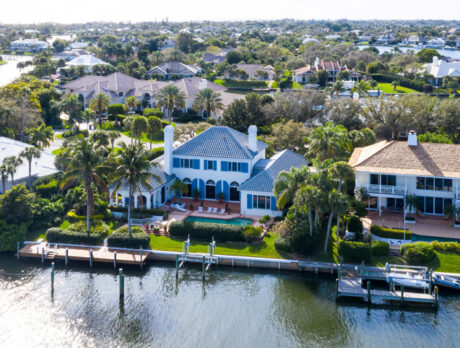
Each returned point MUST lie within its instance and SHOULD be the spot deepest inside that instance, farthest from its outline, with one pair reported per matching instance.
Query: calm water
(9, 72)
(237, 221)
(446, 53)
(234, 308)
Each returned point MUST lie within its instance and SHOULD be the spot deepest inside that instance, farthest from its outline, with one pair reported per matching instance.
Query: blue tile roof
(219, 142)
(265, 173)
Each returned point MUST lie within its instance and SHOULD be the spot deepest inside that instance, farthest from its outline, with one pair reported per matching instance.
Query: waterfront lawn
(445, 262)
(388, 88)
(157, 139)
(264, 249)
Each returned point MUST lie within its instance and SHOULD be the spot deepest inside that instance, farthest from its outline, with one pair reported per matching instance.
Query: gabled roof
(251, 69)
(173, 68)
(191, 86)
(86, 60)
(397, 157)
(219, 142)
(265, 172)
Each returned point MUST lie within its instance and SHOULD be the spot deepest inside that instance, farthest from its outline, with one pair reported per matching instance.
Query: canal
(233, 308)
(9, 71)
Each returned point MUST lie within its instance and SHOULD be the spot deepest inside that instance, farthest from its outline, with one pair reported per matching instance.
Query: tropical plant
(84, 163)
(88, 116)
(362, 88)
(131, 167)
(410, 202)
(287, 184)
(41, 136)
(113, 135)
(3, 176)
(171, 97)
(73, 106)
(12, 163)
(100, 138)
(154, 127)
(337, 202)
(99, 104)
(178, 187)
(208, 100)
(29, 153)
(131, 103)
(329, 142)
(138, 126)
(338, 87)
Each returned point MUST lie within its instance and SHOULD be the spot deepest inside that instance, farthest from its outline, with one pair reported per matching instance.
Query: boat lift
(205, 260)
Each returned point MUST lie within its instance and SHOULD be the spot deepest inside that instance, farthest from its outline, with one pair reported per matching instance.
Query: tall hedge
(56, 235)
(205, 231)
(391, 233)
(355, 251)
(418, 253)
(120, 238)
(380, 248)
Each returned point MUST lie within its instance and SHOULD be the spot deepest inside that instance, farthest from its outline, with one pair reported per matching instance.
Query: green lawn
(2, 62)
(445, 262)
(263, 249)
(156, 140)
(388, 88)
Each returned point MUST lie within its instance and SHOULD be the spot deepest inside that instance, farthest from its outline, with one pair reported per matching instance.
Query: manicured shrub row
(243, 83)
(446, 246)
(56, 235)
(120, 238)
(390, 233)
(355, 251)
(156, 212)
(72, 216)
(380, 248)
(418, 253)
(205, 231)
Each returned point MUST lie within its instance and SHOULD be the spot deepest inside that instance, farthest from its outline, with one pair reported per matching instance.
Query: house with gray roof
(218, 164)
(170, 69)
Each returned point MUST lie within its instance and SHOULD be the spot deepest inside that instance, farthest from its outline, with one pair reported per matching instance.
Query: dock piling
(52, 276)
(115, 259)
(402, 294)
(203, 267)
(43, 255)
(140, 254)
(66, 256)
(122, 283)
(91, 258)
(177, 265)
(17, 249)
(436, 290)
(369, 292)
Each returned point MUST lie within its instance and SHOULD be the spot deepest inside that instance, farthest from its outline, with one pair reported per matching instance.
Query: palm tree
(340, 172)
(12, 163)
(73, 106)
(99, 105)
(42, 136)
(138, 126)
(88, 115)
(307, 196)
(29, 153)
(84, 164)
(132, 167)
(170, 97)
(154, 127)
(329, 142)
(179, 188)
(287, 184)
(337, 202)
(362, 88)
(113, 135)
(3, 176)
(100, 138)
(208, 100)
(131, 103)
(338, 87)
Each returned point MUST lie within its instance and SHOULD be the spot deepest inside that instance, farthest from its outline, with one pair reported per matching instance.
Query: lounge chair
(200, 209)
(209, 209)
(222, 211)
(214, 210)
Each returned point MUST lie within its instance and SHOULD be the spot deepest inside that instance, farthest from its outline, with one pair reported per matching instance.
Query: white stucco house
(218, 163)
(29, 45)
(86, 60)
(388, 171)
(440, 68)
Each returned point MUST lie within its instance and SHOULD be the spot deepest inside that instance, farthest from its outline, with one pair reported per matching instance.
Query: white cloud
(33, 11)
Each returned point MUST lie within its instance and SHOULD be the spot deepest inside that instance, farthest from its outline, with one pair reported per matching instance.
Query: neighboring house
(365, 38)
(302, 75)
(218, 162)
(78, 46)
(173, 68)
(411, 40)
(440, 68)
(168, 44)
(385, 39)
(310, 39)
(117, 86)
(70, 54)
(87, 60)
(388, 171)
(257, 71)
(29, 45)
(214, 58)
(435, 43)
(42, 166)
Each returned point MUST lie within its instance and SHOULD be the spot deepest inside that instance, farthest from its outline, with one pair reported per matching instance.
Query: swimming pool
(236, 221)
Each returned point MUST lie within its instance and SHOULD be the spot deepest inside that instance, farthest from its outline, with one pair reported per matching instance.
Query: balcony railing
(385, 189)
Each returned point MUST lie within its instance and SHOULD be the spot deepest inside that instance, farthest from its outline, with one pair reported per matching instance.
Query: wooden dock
(83, 253)
(351, 287)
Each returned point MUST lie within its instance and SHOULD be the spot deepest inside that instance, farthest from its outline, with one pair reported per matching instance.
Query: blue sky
(67, 11)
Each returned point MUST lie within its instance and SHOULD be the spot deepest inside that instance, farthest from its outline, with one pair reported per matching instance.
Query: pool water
(237, 221)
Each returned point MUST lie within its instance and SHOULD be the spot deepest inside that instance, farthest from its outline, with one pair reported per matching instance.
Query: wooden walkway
(100, 254)
(351, 287)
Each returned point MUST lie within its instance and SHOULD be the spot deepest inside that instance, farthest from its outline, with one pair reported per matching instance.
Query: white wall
(256, 212)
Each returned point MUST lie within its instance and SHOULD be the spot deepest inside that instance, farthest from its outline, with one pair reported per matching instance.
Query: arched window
(146, 100)
(210, 189)
(234, 193)
(141, 201)
(188, 182)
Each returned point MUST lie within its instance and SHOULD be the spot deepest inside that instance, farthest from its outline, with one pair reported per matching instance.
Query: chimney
(168, 149)
(412, 138)
(252, 141)
(203, 84)
(316, 62)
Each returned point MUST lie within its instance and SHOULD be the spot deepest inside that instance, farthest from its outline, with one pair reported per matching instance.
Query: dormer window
(120, 94)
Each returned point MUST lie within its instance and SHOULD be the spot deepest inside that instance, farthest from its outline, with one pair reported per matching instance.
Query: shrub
(391, 233)
(155, 153)
(10, 234)
(251, 233)
(446, 246)
(56, 235)
(420, 252)
(205, 231)
(121, 238)
(282, 244)
(264, 219)
(380, 248)
(72, 216)
(355, 225)
(48, 189)
(355, 251)
(230, 83)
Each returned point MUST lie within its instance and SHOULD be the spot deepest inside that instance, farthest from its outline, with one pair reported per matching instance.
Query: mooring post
(402, 293)
(43, 255)
(177, 265)
(391, 284)
(436, 290)
(369, 292)
(203, 267)
(339, 273)
(66, 256)
(115, 259)
(90, 257)
(52, 276)
(337, 288)
(17, 249)
(140, 254)
(362, 268)
(122, 282)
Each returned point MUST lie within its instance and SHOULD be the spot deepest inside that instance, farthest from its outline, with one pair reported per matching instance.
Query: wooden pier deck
(75, 253)
(351, 287)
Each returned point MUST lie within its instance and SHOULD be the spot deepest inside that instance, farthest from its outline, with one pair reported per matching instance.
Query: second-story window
(434, 184)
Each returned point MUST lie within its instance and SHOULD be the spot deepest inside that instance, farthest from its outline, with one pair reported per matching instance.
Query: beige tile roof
(396, 157)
